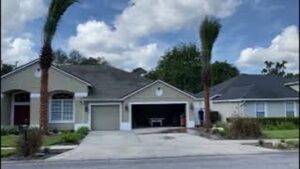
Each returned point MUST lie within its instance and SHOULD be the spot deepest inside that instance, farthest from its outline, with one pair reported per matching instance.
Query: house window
(61, 108)
(289, 108)
(260, 110)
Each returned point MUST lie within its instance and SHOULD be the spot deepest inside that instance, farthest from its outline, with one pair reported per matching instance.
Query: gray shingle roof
(292, 80)
(108, 82)
(252, 86)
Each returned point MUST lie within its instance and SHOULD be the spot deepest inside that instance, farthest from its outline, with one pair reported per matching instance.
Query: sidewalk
(54, 147)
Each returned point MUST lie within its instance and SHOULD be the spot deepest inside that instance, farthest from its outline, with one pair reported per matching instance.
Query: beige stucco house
(106, 98)
(98, 97)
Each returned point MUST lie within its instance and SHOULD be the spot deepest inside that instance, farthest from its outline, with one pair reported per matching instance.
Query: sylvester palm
(209, 31)
(55, 12)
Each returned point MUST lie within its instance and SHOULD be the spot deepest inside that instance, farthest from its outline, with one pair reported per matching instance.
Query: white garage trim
(189, 123)
(103, 104)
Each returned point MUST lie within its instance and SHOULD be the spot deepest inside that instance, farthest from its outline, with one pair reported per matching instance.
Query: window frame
(294, 108)
(265, 109)
(62, 112)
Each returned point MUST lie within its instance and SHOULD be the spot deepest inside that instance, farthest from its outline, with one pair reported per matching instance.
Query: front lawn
(281, 134)
(9, 140)
(7, 152)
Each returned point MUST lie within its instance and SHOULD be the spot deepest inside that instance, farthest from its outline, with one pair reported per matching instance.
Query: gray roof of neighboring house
(251, 86)
(108, 82)
(292, 80)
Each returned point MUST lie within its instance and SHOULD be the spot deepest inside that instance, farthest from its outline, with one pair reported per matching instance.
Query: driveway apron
(130, 144)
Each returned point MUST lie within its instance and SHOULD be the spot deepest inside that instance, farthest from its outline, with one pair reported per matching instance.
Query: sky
(136, 33)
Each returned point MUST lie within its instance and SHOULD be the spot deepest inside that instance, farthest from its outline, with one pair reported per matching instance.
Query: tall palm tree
(55, 12)
(209, 31)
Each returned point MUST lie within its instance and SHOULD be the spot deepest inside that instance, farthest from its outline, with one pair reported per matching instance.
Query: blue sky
(130, 35)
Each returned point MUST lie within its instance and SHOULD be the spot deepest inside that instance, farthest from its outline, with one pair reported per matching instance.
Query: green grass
(9, 140)
(281, 134)
(7, 152)
(52, 140)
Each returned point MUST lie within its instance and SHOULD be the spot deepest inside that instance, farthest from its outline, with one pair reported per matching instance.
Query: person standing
(201, 113)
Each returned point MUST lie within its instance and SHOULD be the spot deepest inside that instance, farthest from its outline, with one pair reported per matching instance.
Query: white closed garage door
(105, 117)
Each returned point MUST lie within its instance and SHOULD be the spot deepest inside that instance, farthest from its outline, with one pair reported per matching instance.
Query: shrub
(9, 130)
(293, 143)
(70, 137)
(261, 142)
(281, 145)
(33, 143)
(54, 130)
(242, 128)
(225, 127)
(215, 116)
(83, 131)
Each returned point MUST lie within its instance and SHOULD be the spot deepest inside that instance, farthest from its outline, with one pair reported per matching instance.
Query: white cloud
(17, 50)
(284, 46)
(14, 15)
(120, 44)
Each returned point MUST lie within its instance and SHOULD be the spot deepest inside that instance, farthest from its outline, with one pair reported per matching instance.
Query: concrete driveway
(134, 144)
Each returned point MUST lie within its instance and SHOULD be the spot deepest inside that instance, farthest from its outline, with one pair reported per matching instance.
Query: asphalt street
(256, 161)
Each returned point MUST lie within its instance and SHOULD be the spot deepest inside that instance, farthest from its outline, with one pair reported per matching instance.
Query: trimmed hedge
(244, 128)
(7, 130)
(275, 121)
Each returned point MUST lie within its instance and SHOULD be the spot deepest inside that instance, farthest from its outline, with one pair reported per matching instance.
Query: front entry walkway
(125, 145)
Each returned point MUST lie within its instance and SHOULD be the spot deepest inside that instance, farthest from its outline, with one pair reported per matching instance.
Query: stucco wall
(274, 108)
(61, 126)
(26, 80)
(5, 110)
(148, 95)
(228, 109)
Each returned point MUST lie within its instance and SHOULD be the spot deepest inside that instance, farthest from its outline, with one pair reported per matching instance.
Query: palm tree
(55, 12)
(209, 31)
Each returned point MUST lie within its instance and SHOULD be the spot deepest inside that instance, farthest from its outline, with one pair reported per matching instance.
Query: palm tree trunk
(44, 100)
(206, 85)
(207, 121)
(45, 63)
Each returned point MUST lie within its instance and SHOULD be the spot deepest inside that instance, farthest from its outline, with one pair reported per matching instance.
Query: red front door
(21, 114)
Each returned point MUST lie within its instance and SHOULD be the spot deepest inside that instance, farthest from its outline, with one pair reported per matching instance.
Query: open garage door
(153, 115)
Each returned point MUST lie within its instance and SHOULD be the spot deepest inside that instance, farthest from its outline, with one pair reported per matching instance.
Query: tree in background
(180, 67)
(76, 58)
(170, 69)
(56, 10)
(139, 71)
(209, 31)
(278, 69)
(222, 71)
(6, 68)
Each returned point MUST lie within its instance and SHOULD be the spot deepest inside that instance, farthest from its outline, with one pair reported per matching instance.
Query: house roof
(252, 87)
(108, 82)
(292, 81)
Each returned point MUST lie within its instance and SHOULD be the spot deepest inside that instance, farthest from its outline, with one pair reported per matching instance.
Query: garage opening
(157, 115)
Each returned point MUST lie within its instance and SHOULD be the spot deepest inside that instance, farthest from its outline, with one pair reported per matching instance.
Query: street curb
(142, 158)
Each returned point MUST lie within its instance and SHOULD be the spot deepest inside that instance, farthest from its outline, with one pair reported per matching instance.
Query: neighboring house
(292, 83)
(97, 96)
(255, 96)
